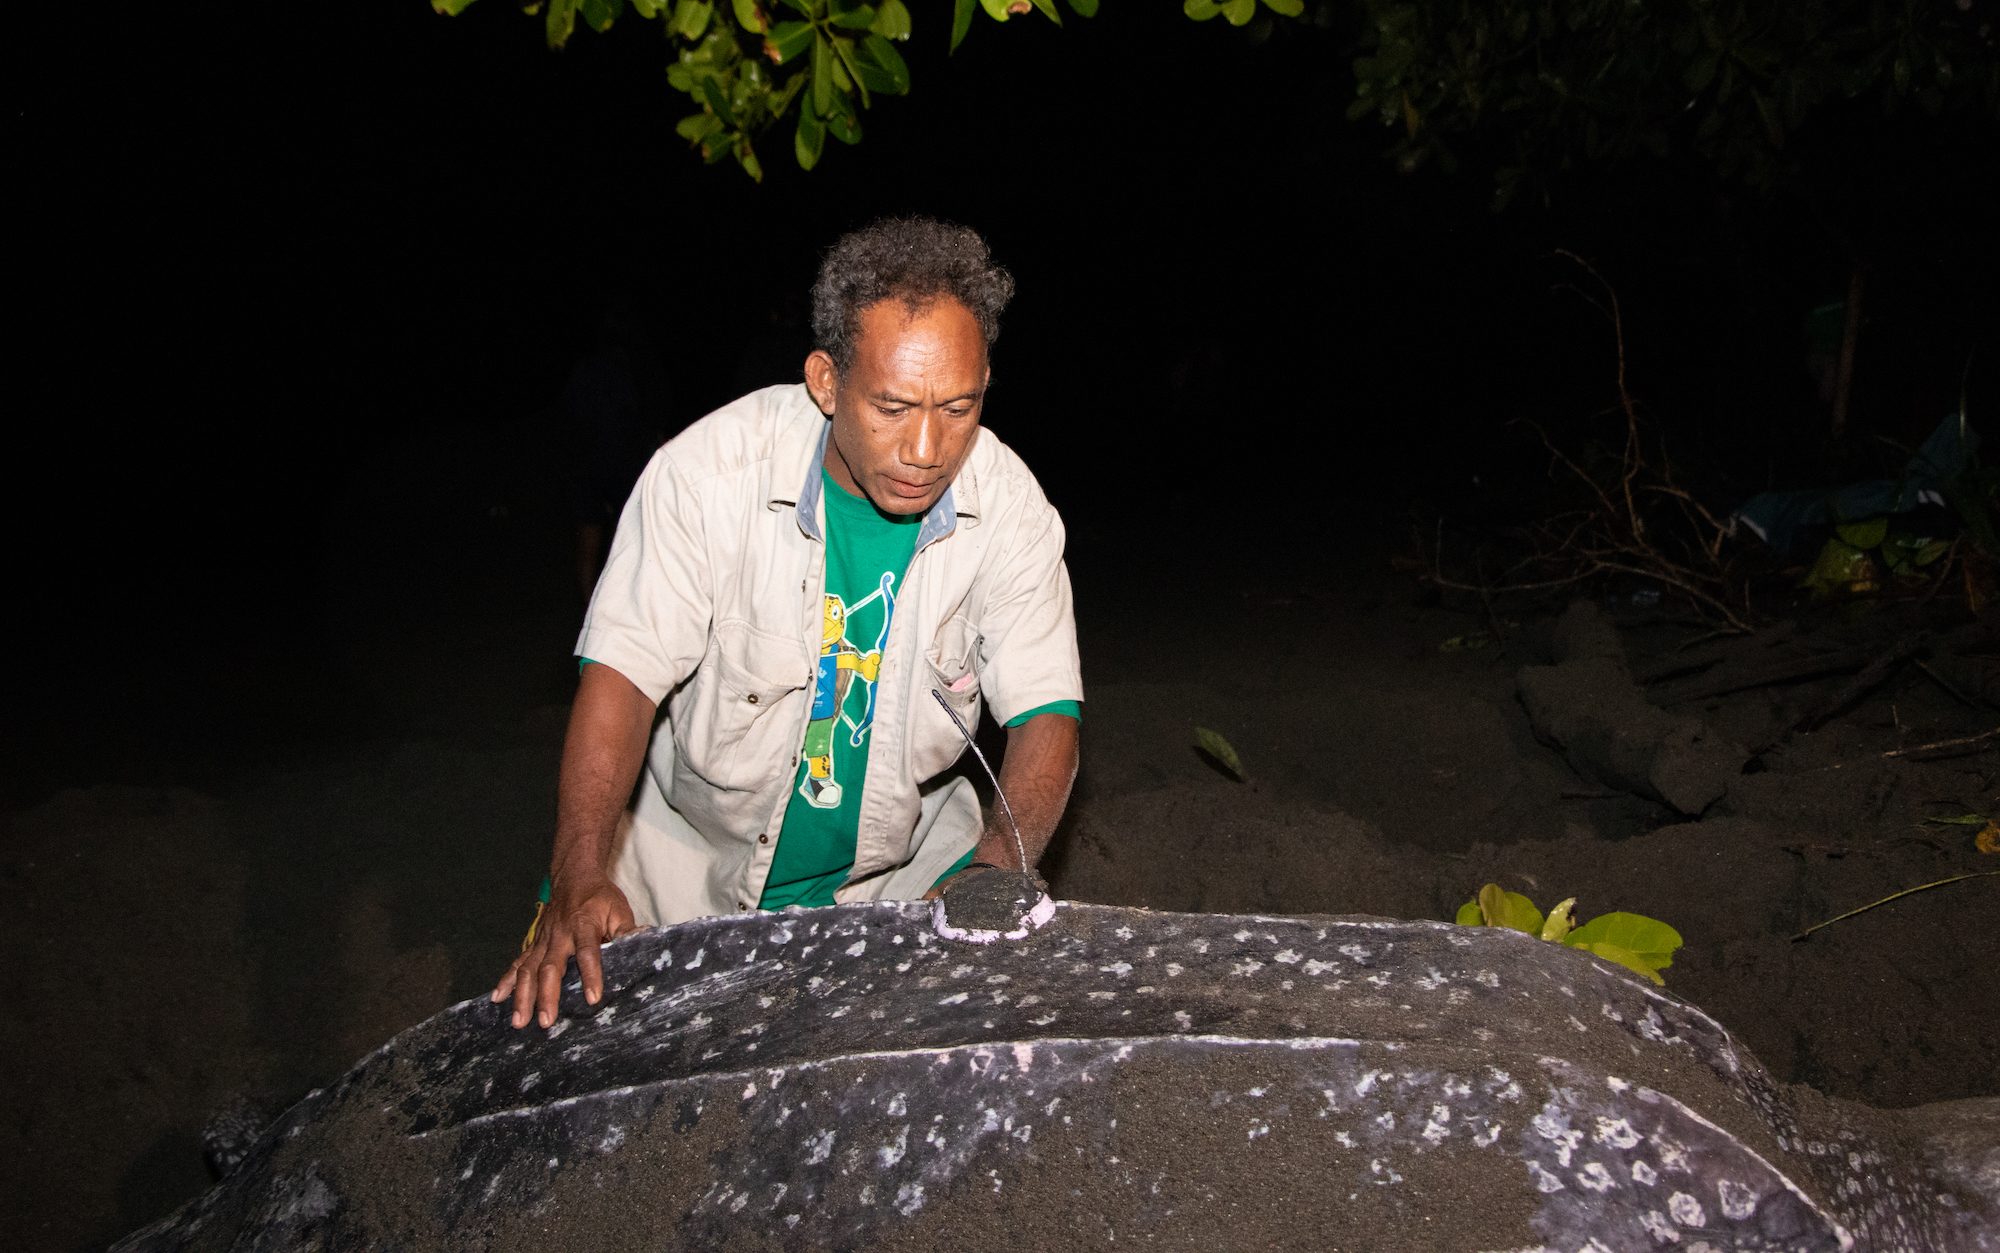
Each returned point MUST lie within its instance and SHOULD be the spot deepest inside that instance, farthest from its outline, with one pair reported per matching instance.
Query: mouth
(909, 491)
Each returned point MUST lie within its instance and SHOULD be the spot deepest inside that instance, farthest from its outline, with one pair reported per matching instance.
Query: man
(796, 575)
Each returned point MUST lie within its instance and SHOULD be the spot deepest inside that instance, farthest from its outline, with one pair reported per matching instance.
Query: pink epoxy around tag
(965, 680)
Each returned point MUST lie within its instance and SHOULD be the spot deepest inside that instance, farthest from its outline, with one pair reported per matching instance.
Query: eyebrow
(893, 399)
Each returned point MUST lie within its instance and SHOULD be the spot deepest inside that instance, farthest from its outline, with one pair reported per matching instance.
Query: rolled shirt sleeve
(649, 617)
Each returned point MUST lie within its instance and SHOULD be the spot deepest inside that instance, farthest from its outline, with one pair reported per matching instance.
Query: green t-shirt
(867, 554)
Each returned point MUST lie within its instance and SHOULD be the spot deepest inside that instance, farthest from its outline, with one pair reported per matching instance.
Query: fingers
(589, 963)
(505, 988)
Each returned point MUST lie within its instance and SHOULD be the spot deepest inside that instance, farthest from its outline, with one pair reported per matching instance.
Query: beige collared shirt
(711, 601)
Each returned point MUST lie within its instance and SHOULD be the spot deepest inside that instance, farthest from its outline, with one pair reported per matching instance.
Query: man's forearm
(1036, 775)
(609, 726)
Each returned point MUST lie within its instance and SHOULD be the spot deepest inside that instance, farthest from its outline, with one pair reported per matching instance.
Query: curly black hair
(915, 260)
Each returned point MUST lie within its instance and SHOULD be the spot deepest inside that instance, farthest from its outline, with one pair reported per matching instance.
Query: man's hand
(579, 917)
(608, 728)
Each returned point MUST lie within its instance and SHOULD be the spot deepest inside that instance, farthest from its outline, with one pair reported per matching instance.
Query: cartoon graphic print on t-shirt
(840, 661)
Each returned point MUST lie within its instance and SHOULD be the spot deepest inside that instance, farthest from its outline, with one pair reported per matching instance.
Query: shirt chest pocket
(740, 724)
(951, 668)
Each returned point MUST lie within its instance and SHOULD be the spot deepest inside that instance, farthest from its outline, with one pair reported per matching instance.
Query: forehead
(899, 333)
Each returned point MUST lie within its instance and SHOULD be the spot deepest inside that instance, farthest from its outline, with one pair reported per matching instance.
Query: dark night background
(267, 257)
(296, 289)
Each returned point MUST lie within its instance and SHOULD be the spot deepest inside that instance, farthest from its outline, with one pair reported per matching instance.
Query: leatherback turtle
(848, 1078)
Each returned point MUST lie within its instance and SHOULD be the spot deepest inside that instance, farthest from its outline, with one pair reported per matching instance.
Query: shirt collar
(960, 500)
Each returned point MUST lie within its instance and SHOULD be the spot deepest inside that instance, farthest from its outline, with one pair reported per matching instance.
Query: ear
(822, 380)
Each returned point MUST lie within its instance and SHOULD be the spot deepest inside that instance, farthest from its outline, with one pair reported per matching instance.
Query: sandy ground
(242, 903)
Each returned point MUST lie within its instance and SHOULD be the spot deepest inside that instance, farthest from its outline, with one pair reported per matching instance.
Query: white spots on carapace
(534, 1077)
(903, 968)
(1121, 969)
(1024, 1055)
(1031, 998)
(898, 1106)
(1123, 933)
(1487, 978)
(1596, 1177)
(749, 1089)
(839, 1011)
(1610, 1011)
(1437, 1128)
(1656, 1225)
(1366, 1083)
(791, 1220)
(1044, 1020)
(1103, 996)
(857, 948)
(1380, 979)
(1738, 1202)
(1485, 1136)
(554, 1162)
(956, 998)
(1616, 1132)
(1288, 956)
(1553, 1125)
(962, 969)
(1145, 989)
(1175, 970)
(1259, 1129)
(765, 1001)
(1356, 952)
(1343, 1139)
(1431, 980)
(604, 1016)
(1182, 1020)
(665, 959)
(1246, 967)
(819, 1147)
(909, 1199)
(999, 978)
(1315, 967)
(1386, 1120)
(1544, 1181)
(1673, 1156)
(1383, 1175)
(1686, 1210)
(612, 1140)
(694, 963)
(1575, 1023)
(1616, 1084)
(1240, 936)
(1199, 944)
(1643, 1173)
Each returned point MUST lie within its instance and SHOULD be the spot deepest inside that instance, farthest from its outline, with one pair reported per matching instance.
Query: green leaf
(698, 128)
(648, 9)
(1238, 12)
(1287, 8)
(746, 156)
(996, 9)
(1635, 962)
(961, 21)
(1501, 908)
(559, 22)
(843, 125)
(1048, 8)
(1962, 820)
(599, 14)
(787, 40)
(1560, 922)
(800, 7)
(1084, 8)
(1201, 10)
(1644, 944)
(1863, 535)
(891, 73)
(809, 140)
(854, 17)
(450, 8)
(750, 17)
(690, 19)
(711, 91)
(822, 75)
(844, 48)
(1469, 915)
(1221, 751)
(892, 20)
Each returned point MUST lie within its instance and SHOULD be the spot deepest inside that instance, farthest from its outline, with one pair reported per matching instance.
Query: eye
(891, 411)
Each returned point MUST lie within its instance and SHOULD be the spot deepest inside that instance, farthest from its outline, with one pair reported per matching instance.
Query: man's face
(905, 414)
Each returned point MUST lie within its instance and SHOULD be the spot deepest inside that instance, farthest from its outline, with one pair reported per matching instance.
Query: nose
(921, 443)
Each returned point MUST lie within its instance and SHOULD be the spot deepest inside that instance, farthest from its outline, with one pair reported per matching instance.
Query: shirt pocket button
(752, 698)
